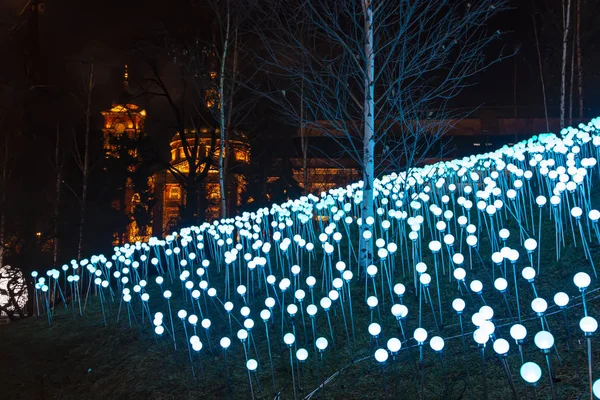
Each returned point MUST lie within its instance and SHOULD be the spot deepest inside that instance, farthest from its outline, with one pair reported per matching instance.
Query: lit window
(241, 155)
(174, 193)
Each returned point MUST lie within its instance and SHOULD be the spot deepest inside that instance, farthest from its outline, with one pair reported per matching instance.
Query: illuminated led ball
(500, 284)
(539, 305)
(588, 325)
(322, 344)
(518, 332)
(481, 337)
(420, 335)
(501, 346)
(458, 305)
(582, 280)
(531, 372)
(596, 388)
(543, 340)
(302, 355)
(561, 299)
(394, 345)
(374, 329)
(436, 343)
(381, 355)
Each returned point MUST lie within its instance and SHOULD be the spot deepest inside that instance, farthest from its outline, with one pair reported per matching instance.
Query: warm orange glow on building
(121, 119)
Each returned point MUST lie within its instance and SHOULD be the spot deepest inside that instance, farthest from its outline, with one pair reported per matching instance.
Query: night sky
(73, 31)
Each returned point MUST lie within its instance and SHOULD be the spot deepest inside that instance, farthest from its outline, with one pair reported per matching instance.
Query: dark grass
(79, 358)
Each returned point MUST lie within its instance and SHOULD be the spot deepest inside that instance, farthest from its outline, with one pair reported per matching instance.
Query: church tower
(124, 123)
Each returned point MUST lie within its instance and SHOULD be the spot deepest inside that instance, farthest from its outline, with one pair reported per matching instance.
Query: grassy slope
(75, 359)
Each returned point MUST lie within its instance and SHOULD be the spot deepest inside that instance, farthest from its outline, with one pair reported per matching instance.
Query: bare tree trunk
(86, 163)
(230, 110)
(539, 54)
(366, 246)
(565, 44)
(571, 81)
(303, 142)
(579, 62)
(515, 112)
(3, 200)
(222, 118)
(58, 196)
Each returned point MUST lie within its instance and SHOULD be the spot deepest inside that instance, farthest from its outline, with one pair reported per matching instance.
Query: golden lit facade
(173, 196)
(122, 119)
(126, 119)
(324, 173)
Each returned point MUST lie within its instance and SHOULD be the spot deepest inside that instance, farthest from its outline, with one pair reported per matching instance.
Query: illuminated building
(173, 196)
(126, 118)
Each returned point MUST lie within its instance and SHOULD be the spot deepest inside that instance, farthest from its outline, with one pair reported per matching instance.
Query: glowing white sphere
(476, 286)
(435, 246)
(544, 340)
(374, 329)
(582, 280)
(420, 335)
(399, 289)
(528, 273)
(500, 284)
(372, 301)
(242, 334)
(436, 343)
(531, 372)
(588, 325)
(460, 274)
(518, 332)
(481, 337)
(301, 355)
(501, 346)
(394, 345)
(458, 305)
(530, 244)
(225, 343)
(486, 312)
(289, 339)
(321, 343)
(399, 310)
(326, 303)
(252, 364)
(561, 299)
(381, 355)
(596, 388)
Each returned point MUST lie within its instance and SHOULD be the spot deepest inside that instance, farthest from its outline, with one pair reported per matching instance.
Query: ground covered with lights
(483, 285)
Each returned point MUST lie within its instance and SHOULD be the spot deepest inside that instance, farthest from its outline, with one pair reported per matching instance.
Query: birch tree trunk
(222, 118)
(565, 44)
(86, 163)
(539, 54)
(366, 246)
(571, 81)
(303, 142)
(579, 62)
